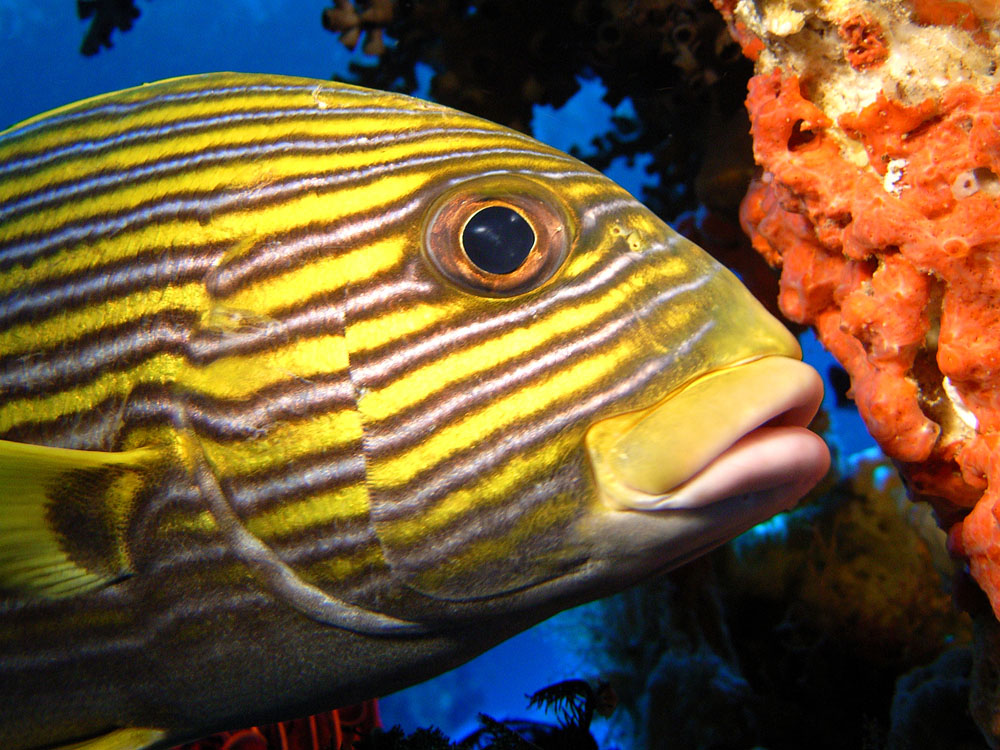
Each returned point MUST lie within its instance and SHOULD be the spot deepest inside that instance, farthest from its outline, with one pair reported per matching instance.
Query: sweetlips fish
(310, 392)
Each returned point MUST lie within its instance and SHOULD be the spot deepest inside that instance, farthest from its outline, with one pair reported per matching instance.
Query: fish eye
(498, 236)
(498, 239)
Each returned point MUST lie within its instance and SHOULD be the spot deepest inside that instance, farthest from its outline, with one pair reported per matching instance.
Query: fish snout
(737, 430)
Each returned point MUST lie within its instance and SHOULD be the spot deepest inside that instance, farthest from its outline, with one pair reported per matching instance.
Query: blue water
(41, 68)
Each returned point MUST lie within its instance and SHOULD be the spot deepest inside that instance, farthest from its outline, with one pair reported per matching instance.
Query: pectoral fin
(62, 517)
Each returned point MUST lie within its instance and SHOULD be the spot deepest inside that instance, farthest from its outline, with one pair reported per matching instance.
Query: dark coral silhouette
(108, 15)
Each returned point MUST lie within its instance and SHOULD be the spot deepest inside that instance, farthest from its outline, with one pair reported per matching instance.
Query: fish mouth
(737, 430)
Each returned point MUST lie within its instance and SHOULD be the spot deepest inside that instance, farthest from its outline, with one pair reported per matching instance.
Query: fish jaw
(754, 463)
(737, 430)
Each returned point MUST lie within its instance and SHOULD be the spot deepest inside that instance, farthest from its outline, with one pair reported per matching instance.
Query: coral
(655, 642)
(876, 130)
(864, 41)
(878, 137)
(108, 16)
(861, 568)
(926, 702)
(984, 696)
(371, 21)
(499, 58)
(710, 703)
(335, 730)
(575, 702)
(793, 635)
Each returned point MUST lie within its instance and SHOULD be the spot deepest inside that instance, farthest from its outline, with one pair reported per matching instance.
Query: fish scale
(262, 418)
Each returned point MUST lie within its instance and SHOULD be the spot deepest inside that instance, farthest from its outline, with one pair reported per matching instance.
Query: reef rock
(877, 126)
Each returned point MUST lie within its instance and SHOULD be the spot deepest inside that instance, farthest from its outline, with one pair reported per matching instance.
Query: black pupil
(498, 239)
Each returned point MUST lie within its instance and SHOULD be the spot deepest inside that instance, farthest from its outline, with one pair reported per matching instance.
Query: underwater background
(667, 644)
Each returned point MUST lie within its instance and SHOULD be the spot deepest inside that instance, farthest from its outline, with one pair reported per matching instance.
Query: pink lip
(777, 463)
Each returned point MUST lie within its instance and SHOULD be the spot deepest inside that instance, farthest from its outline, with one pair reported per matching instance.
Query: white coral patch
(959, 406)
(893, 175)
(785, 22)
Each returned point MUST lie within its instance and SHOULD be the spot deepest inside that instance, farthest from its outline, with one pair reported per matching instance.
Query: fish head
(600, 399)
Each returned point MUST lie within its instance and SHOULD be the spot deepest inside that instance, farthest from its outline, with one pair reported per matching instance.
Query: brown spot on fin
(63, 514)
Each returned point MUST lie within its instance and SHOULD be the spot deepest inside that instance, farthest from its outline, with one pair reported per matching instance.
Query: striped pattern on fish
(224, 280)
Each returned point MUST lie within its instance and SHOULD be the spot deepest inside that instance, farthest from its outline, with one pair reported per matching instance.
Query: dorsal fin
(62, 517)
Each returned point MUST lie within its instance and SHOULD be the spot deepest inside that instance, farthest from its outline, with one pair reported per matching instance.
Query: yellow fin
(62, 516)
(133, 738)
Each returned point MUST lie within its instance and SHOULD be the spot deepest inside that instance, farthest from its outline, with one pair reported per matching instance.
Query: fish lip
(765, 450)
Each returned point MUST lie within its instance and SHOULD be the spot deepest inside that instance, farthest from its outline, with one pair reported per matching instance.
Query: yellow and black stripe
(243, 257)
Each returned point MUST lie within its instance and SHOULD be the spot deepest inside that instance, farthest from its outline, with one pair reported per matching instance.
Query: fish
(310, 392)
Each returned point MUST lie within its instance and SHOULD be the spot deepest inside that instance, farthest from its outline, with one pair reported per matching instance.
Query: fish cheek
(482, 543)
